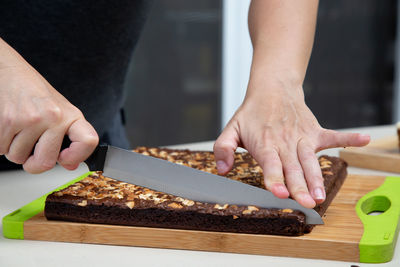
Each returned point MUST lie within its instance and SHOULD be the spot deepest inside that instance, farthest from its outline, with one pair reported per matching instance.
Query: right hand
(34, 118)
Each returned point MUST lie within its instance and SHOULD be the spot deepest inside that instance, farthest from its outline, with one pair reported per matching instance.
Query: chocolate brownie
(99, 199)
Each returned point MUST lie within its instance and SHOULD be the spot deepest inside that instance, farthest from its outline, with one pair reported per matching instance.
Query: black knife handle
(95, 161)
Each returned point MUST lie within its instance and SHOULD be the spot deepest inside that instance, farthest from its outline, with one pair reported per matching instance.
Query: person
(273, 123)
(66, 78)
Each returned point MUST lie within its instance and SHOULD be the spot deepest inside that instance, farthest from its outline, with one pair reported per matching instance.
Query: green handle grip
(380, 231)
(13, 223)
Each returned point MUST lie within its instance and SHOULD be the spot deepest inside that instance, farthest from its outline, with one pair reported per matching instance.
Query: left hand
(282, 134)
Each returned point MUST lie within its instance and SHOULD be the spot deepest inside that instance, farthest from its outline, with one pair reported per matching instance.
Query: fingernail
(280, 191)
(364, 135)
(221, 166)
(319, 193)
(280, 188)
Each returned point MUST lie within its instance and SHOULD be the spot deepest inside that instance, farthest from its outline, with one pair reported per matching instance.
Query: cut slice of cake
(99, 199)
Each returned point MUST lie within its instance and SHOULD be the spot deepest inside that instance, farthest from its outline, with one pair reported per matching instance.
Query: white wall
(236, 56)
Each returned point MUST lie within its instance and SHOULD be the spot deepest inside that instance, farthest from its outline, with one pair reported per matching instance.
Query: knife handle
(95, 161)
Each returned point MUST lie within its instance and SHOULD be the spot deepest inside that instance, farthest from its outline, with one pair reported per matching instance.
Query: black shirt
(82, 47)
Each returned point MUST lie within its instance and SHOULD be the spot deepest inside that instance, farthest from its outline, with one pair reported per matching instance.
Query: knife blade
(183, 181)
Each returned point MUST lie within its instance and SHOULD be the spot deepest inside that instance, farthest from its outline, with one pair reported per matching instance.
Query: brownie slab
(99, 199)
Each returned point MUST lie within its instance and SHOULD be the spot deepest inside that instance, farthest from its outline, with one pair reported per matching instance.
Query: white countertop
(18, 188)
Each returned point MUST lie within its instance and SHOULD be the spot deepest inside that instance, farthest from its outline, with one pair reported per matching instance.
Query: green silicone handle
(13, 223)
(380, 231)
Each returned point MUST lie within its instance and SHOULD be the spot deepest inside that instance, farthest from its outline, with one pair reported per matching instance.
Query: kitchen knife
(183, 181)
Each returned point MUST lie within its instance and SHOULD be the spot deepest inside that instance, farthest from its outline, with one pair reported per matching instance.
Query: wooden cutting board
(381, 154)
(338, 239)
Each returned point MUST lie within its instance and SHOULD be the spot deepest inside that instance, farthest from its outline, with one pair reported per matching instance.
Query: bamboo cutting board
(382, 154)
(340, 238)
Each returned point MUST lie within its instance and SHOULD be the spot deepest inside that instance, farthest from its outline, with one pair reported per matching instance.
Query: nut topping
(83, 203)
(175, 205)
(250, 209)
(253, 208)
(246, 212)
(188, 202)
(219, 207)
(130, 204)
(287, 210)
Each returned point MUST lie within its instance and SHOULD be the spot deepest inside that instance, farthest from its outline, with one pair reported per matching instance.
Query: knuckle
(222, 150)
(316, 180)
(18, 159)
(47, 163)
(293, 169)
(45, 166)
(75, 112)
(36, 166)
(8, 120)
(217, 145)
(298, 190)
(91, 140)
(54, 113)
(222, 143)
(308, 154)
(274, 179)
(68, 162)
(31, 169)
(32, 118)
(267, 159)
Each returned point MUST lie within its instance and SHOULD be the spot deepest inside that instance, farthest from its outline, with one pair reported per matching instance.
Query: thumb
(225, 147)
(84, 140)
(331, 139)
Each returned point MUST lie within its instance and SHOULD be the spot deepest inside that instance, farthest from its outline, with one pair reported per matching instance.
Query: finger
(7, 134)
(273, 174)
(331, 139)
(46, 152)
(22, 145)
(5, 142)
(312, 171)
(84, 140)
(224, 149)
(295, 180)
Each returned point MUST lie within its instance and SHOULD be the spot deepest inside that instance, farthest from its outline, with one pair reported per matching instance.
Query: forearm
(282, 34)
(273, 123)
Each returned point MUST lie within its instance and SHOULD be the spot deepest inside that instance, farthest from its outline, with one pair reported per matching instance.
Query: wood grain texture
(337, 239)
(382, 154)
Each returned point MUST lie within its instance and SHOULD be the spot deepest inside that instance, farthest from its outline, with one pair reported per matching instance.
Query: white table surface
(18, 188)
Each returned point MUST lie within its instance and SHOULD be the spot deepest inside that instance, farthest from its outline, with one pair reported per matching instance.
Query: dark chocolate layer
(99, 199)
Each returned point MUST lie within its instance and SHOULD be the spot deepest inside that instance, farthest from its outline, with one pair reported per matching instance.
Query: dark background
(174, 83)
(349, 82)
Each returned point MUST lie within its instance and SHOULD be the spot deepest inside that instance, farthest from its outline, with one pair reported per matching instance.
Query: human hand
(34, 118)
(282, 134)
